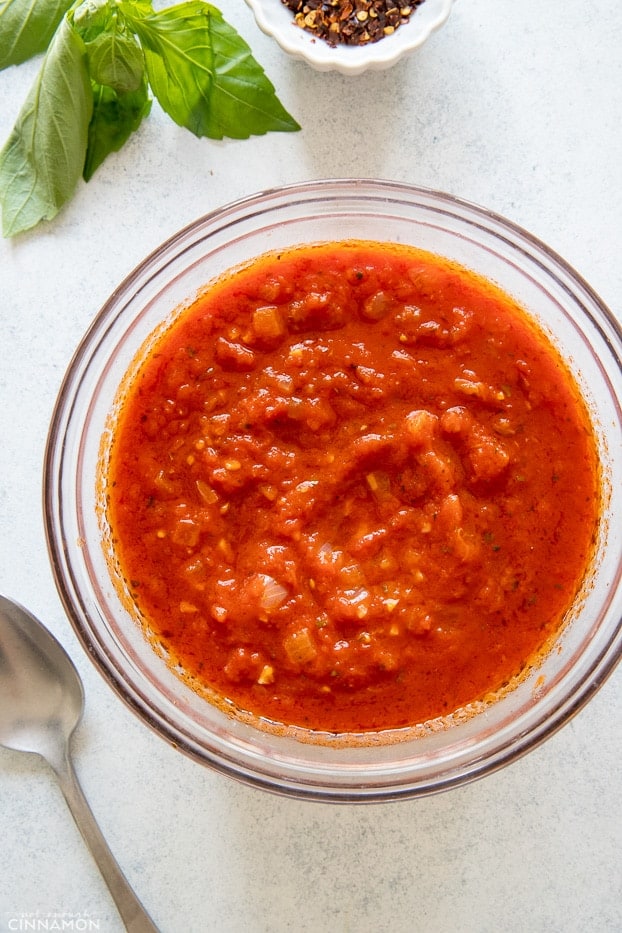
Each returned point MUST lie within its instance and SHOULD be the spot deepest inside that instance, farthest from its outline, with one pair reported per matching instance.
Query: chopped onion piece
(273, 595)
(209, 495)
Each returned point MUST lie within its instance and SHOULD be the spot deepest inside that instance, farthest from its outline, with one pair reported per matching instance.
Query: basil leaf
(116, 61)
(203, 73)
(115, 118)
(27, 27)
(92, 17)
(43, 157)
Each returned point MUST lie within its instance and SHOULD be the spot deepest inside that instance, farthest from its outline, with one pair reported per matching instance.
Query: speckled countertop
(515, 106)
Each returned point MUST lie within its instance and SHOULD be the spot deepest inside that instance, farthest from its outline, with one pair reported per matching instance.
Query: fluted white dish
(276, 20)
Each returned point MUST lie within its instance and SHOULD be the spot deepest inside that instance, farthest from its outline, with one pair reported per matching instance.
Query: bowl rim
(384, 191)
(277, 21)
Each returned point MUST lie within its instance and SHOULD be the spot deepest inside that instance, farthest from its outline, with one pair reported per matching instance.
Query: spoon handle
(133, 914)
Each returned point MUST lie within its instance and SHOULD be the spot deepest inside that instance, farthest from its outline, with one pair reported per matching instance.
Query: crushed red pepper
(351, 22)
(353, 488)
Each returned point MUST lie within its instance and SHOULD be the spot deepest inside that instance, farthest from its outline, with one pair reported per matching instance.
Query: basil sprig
(102, 60)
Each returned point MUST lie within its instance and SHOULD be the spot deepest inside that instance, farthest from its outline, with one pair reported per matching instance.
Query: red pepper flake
(351, 22)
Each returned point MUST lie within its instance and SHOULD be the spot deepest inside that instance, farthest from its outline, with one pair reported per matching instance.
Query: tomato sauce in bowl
(353, 487)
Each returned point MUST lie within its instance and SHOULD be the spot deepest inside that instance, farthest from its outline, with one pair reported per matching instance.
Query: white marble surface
(514, 105)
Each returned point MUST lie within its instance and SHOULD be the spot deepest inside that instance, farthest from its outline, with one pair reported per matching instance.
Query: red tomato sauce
(353, 487)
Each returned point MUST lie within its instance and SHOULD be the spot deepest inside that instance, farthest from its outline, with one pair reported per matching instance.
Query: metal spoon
(41, 703)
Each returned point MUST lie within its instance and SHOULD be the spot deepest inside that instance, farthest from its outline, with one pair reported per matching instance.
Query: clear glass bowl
(277, 21)
(372, 767)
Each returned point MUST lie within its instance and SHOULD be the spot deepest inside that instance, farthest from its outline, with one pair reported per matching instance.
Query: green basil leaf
(115, 118)
(116, 61)
(43, 157)
(27, 27)
(203, 73)
(140, 7)
(93, 17)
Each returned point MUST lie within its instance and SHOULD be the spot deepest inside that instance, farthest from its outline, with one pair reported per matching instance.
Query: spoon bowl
(40, 690)
(41, 703)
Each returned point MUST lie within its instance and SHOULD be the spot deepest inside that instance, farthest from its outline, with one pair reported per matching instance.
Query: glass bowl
(277, 21)
(372, 767)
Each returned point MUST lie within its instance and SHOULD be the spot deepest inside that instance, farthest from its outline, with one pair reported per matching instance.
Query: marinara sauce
(353, 487)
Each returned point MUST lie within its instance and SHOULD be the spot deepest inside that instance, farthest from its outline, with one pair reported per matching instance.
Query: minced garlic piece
(267, 675)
